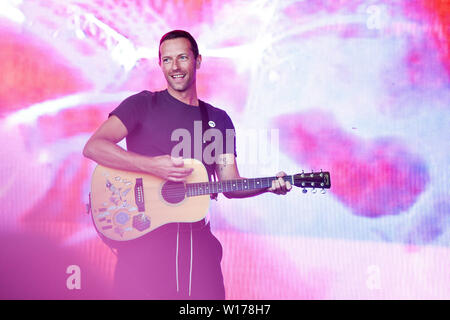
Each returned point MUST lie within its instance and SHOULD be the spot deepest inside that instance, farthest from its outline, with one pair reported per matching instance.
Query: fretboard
(202, 188)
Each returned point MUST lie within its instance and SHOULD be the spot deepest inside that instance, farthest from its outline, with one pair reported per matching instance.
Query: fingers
(288, 186)
(177, 162)
(178, 167)
(280, 186)
(179, 174)
(171, 168)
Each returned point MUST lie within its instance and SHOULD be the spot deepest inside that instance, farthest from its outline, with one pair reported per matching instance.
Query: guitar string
(197, 189)
(193, 189)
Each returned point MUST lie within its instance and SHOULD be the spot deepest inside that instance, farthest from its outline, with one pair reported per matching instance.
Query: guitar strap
(205, 123)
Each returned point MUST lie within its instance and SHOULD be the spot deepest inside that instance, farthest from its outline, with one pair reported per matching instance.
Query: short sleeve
(130, 110)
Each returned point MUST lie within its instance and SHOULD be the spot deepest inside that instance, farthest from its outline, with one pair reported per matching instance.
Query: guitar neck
(203, 188)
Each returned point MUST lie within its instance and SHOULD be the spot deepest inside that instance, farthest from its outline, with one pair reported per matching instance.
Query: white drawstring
(190, 267)
(176, 260)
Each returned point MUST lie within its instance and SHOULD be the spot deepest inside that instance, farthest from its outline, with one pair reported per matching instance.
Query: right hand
(169, 168)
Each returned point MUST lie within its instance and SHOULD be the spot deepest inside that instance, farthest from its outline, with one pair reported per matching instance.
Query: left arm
(226, 168)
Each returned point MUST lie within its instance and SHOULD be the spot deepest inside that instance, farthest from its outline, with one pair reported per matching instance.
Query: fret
(245, 184)
(257, 183)
(251, 185)
(203, 188)
(269, 181)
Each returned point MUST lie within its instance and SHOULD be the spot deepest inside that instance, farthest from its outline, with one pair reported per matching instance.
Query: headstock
(314, 180)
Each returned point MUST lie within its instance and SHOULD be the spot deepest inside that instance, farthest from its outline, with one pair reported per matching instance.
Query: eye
(165, 60)
(184, 57)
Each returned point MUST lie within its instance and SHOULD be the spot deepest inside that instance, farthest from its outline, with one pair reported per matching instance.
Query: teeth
(178, 76)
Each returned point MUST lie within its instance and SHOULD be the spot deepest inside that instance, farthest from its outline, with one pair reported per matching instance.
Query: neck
(188, 96)
(242, 184)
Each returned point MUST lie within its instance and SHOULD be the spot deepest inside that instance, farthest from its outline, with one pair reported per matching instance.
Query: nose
(175, 64)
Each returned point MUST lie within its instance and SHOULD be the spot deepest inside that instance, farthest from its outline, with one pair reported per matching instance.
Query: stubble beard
(180, 87)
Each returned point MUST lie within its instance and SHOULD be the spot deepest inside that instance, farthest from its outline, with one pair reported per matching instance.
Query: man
(177, 260)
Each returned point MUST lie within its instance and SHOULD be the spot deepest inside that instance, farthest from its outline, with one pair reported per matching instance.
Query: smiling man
(177, 260)
(179, 61)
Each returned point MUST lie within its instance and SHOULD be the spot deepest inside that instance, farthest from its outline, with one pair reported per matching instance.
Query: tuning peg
(304, 190)
(323, 191)
(314, 190)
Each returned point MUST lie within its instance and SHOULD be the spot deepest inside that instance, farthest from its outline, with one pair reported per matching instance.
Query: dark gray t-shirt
(158, 124)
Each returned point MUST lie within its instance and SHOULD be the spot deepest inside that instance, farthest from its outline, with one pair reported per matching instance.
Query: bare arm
(102, 148)
(227, 169)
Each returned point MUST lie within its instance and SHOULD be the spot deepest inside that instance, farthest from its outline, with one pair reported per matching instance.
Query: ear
(198, 62)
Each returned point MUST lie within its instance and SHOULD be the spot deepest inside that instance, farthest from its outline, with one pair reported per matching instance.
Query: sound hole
(173, 192)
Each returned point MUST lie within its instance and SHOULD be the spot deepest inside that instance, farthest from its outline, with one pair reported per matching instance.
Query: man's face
(178, 63)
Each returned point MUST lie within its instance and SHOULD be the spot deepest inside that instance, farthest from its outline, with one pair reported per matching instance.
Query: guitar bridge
(139, 195)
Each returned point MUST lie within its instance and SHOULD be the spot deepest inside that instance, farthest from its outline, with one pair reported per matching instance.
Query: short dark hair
(179, 34)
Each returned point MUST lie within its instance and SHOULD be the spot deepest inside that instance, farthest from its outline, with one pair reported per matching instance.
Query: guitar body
(127, 205)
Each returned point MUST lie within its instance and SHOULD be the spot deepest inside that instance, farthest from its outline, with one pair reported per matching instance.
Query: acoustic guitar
(127, 205)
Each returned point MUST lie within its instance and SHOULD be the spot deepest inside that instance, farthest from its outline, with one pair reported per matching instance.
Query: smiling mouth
(178, 76)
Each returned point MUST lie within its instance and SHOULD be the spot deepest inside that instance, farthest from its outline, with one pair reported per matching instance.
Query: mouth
(177, 76)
